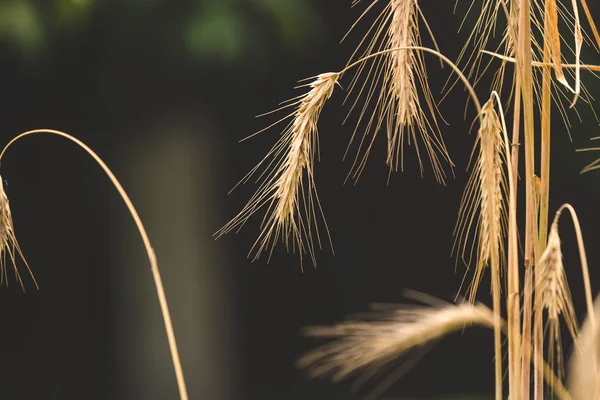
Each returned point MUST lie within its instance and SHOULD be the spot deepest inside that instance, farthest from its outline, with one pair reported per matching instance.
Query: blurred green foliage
(222, 30)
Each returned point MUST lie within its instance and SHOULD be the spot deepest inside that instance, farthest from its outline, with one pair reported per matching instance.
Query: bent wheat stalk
(144, 235)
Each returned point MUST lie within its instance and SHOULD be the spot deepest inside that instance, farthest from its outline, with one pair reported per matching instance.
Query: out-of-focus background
(163, 90)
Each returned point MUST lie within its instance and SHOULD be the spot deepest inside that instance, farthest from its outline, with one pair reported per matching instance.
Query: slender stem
(526, 337)
(442, 57)
(497, 303)
(538, 335)
(513, 300)
(496, 292)
(558, 388)
(151, 256)
(525, 70)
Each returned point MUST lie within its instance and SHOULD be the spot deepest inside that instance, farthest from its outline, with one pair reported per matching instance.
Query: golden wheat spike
(287, 184)
(370, 344)
(552, 288)
(395, 93)
(483, 212)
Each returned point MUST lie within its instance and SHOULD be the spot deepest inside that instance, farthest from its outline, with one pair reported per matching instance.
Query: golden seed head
(482, 216)
(368, 345)
(396, 86)
(287, 185)
(552, 288)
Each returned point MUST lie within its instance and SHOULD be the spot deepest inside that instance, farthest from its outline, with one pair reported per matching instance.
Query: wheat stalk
(8, 242)
(293, 203)
(160, 291)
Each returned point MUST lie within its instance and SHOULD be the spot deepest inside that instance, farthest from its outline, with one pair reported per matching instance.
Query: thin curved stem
(583, 257)
(427, 50)
(151, 256)
(496, 270)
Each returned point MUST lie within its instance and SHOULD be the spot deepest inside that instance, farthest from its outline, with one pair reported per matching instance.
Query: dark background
(163, 90)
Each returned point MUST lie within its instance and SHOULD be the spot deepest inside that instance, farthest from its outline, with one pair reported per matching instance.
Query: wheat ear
(287, 182)
(554, 296)
(366, 346)
(369, 345)
(160, 291)
(483, 212)
(484, 201)
(391, 84)
(8, 242)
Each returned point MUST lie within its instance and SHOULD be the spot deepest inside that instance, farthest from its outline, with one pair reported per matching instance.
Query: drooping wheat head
(287, 181)
(553, 291)
(369, 345)
(9, 246)
(483, 212)
(389, 88)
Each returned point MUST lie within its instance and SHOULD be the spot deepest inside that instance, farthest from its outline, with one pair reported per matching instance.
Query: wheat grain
(287, 182)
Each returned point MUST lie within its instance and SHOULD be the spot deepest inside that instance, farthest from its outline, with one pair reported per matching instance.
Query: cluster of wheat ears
(389, 92)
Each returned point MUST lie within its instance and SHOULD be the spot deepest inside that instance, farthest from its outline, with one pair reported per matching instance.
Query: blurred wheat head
(368, 345)
(10, 250)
